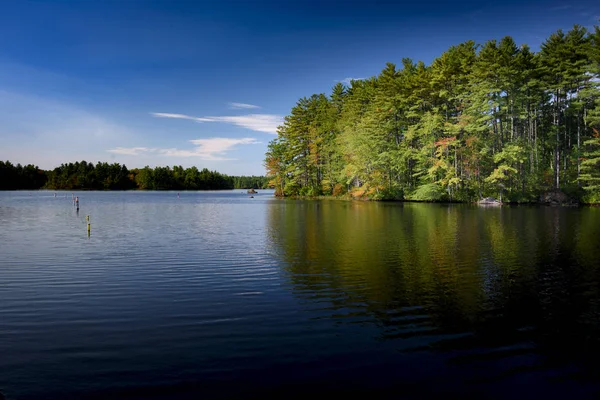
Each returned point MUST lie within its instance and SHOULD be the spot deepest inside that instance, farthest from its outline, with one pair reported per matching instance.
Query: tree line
(104, 176)
(481, 120)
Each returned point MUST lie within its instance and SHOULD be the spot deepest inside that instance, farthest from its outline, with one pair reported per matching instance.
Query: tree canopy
(495, 119)
(104, 176)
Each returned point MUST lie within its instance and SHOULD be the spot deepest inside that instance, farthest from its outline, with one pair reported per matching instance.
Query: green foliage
(591, 198)
(590, 165)
(20, 177)
(481, 120)
(429, 192)
(250, 182)
(388, 194)
(309, 191)
(104, 176)
(575, 192)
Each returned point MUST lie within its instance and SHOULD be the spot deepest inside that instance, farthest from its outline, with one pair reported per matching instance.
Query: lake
(218, 295)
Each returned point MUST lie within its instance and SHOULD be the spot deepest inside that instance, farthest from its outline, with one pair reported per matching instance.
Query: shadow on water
(505, 296)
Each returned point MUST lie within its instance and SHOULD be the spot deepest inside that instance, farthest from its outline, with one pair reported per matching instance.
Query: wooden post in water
(89, 226)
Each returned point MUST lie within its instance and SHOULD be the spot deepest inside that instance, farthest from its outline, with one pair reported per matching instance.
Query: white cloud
(130, 151)
(49, 132)
(181, 116)
(237, 106)
(212, 149)
(220, 145)
(349, 80)
(169, 115)
(256, 122)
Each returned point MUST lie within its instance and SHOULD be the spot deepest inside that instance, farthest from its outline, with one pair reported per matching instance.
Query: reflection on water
(216, 295)
(508, 294)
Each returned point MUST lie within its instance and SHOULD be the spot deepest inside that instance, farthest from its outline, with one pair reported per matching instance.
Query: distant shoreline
(83, 175)
(503, 204)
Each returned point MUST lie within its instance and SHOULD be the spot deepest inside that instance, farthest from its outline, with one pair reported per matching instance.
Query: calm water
(217, 295)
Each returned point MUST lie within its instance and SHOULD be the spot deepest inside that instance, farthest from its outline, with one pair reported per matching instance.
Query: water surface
(219, 295)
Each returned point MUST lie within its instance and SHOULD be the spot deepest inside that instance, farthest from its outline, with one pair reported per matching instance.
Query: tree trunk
(578, 149)
(556, 145)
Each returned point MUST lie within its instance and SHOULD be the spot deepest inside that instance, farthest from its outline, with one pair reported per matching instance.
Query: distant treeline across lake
(105, 176)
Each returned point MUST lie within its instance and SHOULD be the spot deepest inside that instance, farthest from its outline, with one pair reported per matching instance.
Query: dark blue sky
(206, 83)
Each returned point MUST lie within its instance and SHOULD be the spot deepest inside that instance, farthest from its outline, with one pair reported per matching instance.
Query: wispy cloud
(349, 80)
(182, 116)
(256, 122)
(49, 132)
(560, 7)
(242, 106)
(212, 149)
(130, 151)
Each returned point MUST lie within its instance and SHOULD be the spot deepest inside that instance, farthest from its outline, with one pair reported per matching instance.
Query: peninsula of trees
(103, 176)
(482, 120)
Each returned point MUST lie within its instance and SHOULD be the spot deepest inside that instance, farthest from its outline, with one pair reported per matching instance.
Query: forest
(103, 176)
(496, 119)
